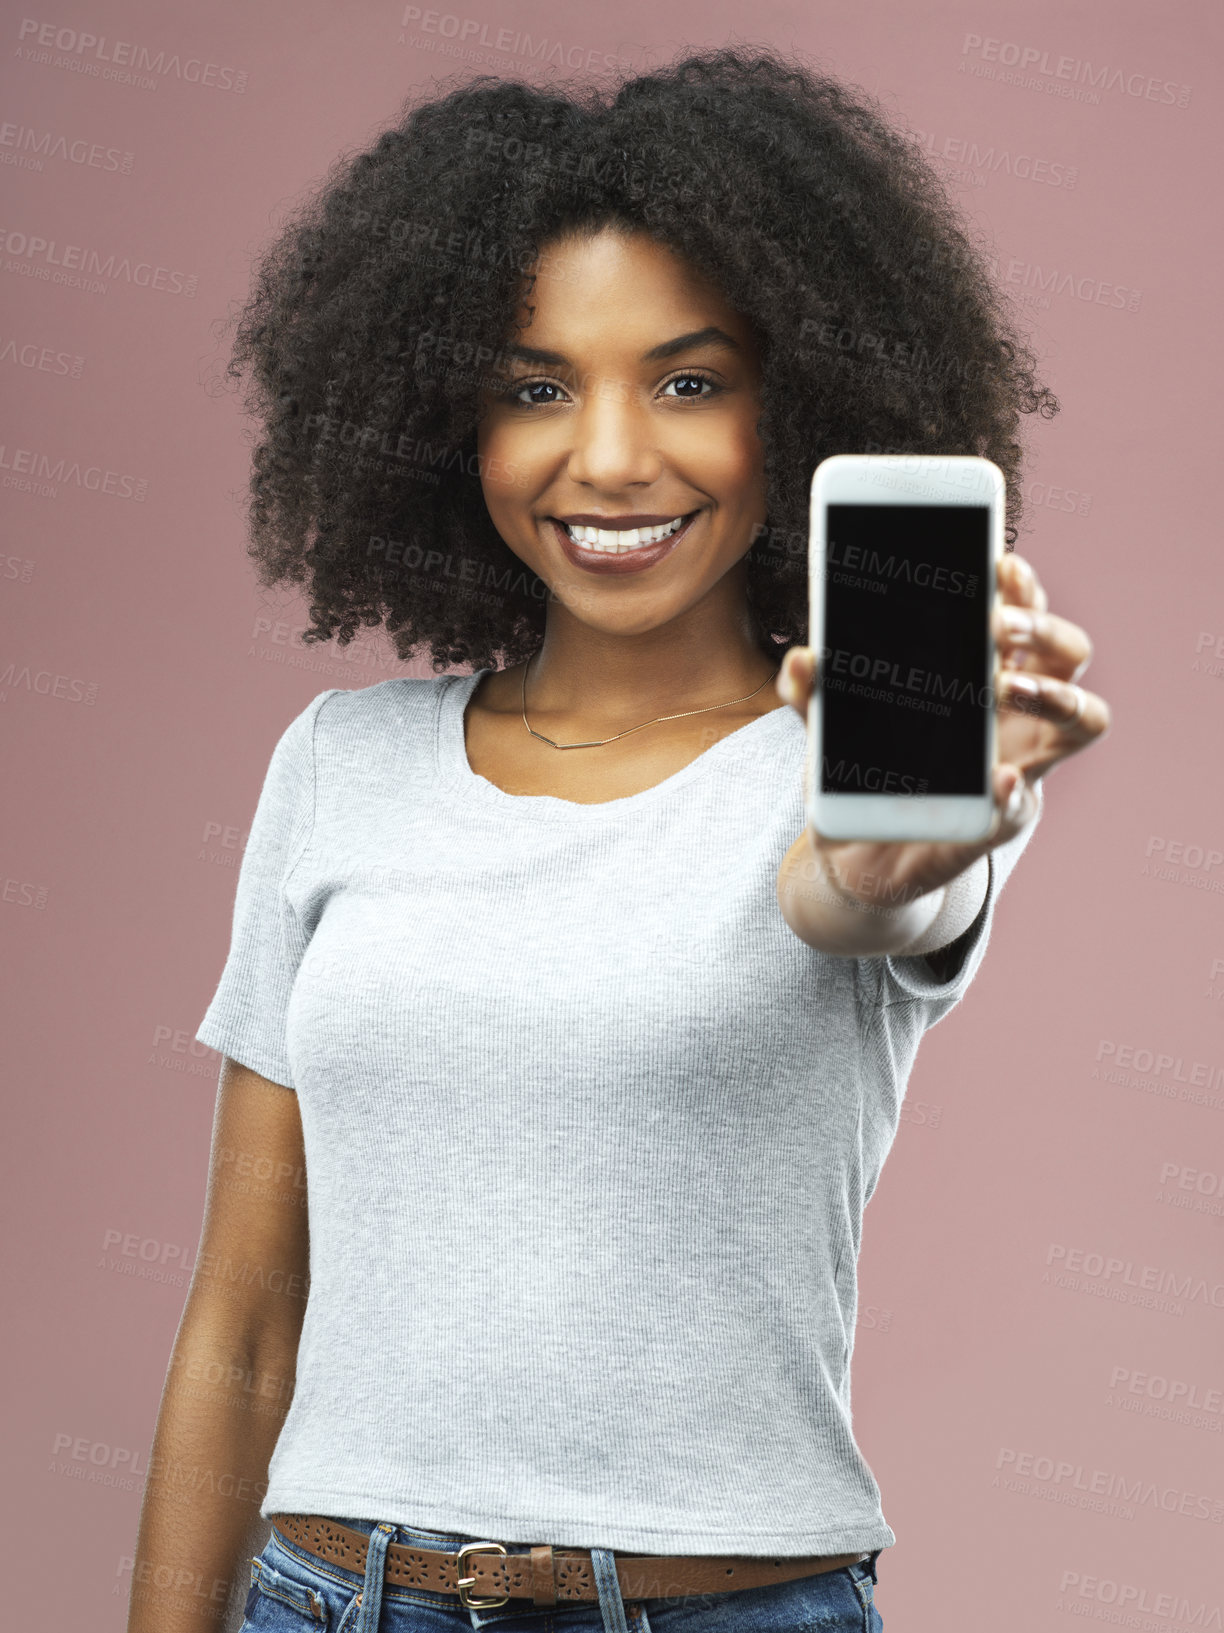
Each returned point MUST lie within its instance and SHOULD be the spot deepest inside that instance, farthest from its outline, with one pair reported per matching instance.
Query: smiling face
(630, 404)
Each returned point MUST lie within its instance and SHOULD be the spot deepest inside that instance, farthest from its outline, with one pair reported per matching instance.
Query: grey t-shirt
(589, 1133)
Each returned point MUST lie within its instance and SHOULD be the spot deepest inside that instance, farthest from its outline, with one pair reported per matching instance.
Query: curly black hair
(376, 318)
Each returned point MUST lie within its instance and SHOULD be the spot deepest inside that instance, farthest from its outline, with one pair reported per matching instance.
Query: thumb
(1013, 797)
(796, 677)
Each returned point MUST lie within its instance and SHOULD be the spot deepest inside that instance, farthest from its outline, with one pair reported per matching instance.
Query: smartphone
(902, 559)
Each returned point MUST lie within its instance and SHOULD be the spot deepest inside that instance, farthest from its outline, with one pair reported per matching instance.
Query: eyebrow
(711, 335)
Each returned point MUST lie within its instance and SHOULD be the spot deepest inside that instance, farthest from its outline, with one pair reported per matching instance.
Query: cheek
(501, 474)
(488, 444)
(501, 492)
(509, 466)
(726, 456)
(738, 474)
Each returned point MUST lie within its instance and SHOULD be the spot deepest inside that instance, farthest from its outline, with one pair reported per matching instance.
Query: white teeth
(617, 541)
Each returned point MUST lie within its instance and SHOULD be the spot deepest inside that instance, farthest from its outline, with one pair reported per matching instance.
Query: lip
(614, 523)
(633, 561)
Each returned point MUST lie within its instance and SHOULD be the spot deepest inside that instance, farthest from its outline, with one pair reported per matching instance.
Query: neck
(607, 679)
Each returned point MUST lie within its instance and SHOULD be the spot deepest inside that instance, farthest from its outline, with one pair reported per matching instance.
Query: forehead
(620, 290)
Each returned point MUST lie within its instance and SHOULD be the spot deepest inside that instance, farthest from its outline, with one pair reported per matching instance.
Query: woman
(595, 1054)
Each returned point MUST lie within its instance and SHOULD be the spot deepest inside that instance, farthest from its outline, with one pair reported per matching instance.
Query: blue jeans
(293, 1591)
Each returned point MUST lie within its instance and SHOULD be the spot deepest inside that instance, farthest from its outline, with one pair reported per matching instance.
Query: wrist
(823, 912)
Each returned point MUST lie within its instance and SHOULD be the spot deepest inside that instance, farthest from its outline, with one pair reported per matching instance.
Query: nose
(614, 440)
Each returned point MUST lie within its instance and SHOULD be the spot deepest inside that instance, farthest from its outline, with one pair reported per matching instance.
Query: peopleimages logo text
(1078, 70)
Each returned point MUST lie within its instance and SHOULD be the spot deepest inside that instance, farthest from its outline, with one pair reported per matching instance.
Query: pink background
(1012, 1396)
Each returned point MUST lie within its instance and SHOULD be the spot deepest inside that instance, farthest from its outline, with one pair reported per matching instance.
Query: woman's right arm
(231, 1371)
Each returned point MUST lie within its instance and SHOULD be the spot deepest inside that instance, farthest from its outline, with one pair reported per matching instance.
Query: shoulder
(402, 701)
(352, 735)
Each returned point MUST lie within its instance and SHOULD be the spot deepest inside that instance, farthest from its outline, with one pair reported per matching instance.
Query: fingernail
(1015, 801)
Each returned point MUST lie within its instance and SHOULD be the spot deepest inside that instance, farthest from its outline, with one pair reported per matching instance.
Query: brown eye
(693, 379)
(513, 394)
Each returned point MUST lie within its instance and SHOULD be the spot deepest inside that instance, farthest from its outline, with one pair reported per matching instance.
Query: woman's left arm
(864, 898)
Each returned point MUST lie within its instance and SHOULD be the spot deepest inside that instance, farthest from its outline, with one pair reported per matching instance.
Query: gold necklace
(644, 724)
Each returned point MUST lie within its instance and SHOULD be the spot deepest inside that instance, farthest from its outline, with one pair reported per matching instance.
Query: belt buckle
(465, 1582)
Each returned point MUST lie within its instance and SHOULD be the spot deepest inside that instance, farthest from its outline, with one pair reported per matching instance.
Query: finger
(1050, 644)
(796, 676)
(1018, 582)
(1080, 715)
(1016, 800)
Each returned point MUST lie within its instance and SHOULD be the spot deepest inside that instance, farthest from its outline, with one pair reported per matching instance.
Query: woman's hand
(1044, 716)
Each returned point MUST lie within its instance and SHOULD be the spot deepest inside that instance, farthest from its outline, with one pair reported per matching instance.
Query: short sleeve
(246, 1018)
(913, 980)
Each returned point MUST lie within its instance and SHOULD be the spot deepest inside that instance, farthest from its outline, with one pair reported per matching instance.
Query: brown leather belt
(483, 1574)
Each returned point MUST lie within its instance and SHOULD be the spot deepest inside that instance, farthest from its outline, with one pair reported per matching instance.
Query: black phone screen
(905, 668)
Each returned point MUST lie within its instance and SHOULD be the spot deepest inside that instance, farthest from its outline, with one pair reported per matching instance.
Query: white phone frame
(899, 479)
